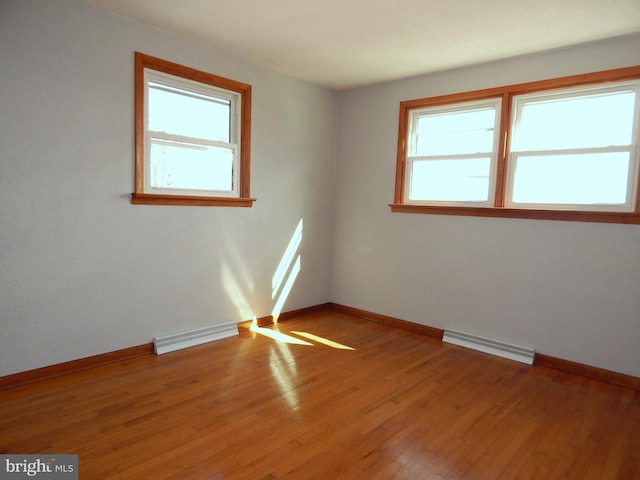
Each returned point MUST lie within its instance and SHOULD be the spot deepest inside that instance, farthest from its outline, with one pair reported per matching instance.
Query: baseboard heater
(488, 345)
(170, 343)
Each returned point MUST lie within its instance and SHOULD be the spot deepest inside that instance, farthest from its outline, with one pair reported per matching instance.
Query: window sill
(570, 216)
(184, 200)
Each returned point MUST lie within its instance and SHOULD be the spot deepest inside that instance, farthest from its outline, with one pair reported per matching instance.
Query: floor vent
(191, 338)
(487, 345)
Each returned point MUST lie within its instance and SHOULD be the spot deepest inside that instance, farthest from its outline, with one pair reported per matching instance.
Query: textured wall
(568, 289)
(82, 271)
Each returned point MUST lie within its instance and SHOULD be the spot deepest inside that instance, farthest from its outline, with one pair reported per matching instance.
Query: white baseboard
(491, 346)
(170, 343)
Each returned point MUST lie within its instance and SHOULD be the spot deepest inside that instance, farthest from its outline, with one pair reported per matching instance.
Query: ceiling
(348, 43)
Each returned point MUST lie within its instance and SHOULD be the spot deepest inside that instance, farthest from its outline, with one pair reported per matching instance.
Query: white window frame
(412, 139)
(632, 148)
(235, 102)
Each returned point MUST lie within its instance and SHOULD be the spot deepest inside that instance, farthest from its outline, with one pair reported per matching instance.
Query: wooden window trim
(507, 93)
(139, 196)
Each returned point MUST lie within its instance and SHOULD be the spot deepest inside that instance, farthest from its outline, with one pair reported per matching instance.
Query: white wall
(570, 290)
(82, 271)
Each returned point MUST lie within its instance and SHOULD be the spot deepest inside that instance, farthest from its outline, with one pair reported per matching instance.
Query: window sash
(477, 148)
(213, 174)
(172, 82)
(590, 188)
(588, 119)
(597, 145)
(471, 180)
(214, 124)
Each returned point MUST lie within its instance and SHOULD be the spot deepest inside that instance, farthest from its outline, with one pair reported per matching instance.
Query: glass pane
(600, 120)
(589, 179)
(453, 133)
(451, 180)
(185, 166)
(179, 112)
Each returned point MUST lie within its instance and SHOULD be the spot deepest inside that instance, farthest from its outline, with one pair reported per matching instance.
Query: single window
(192, 136)
(556, 149)
(452, 154)
(575, 149)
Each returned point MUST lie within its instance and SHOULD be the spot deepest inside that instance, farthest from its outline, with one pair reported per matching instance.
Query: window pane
(591, 179)
(598, 120)
(179, 112)
(451, 180)
(461, 132)
(184, 166)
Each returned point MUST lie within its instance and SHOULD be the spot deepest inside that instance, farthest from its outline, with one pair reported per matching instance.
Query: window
(557, 149)
(192, 136)
(574, 149)
(453, 153)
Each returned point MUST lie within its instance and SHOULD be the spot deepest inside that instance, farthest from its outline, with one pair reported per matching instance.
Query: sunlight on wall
(277, 309)
(287, 264)
(286, 260)
(236, 293)
(237, 279)
(237, 259)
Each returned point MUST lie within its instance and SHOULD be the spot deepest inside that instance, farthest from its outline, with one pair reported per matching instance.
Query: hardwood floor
(286, 403)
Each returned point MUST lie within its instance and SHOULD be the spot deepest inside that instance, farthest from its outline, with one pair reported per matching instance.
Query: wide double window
(558, 149)
(192, 136)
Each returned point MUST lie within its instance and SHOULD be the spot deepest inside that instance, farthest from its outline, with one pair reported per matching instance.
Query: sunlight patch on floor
(324, 341)
(290, 339)
(284, 372)
(279, 336)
